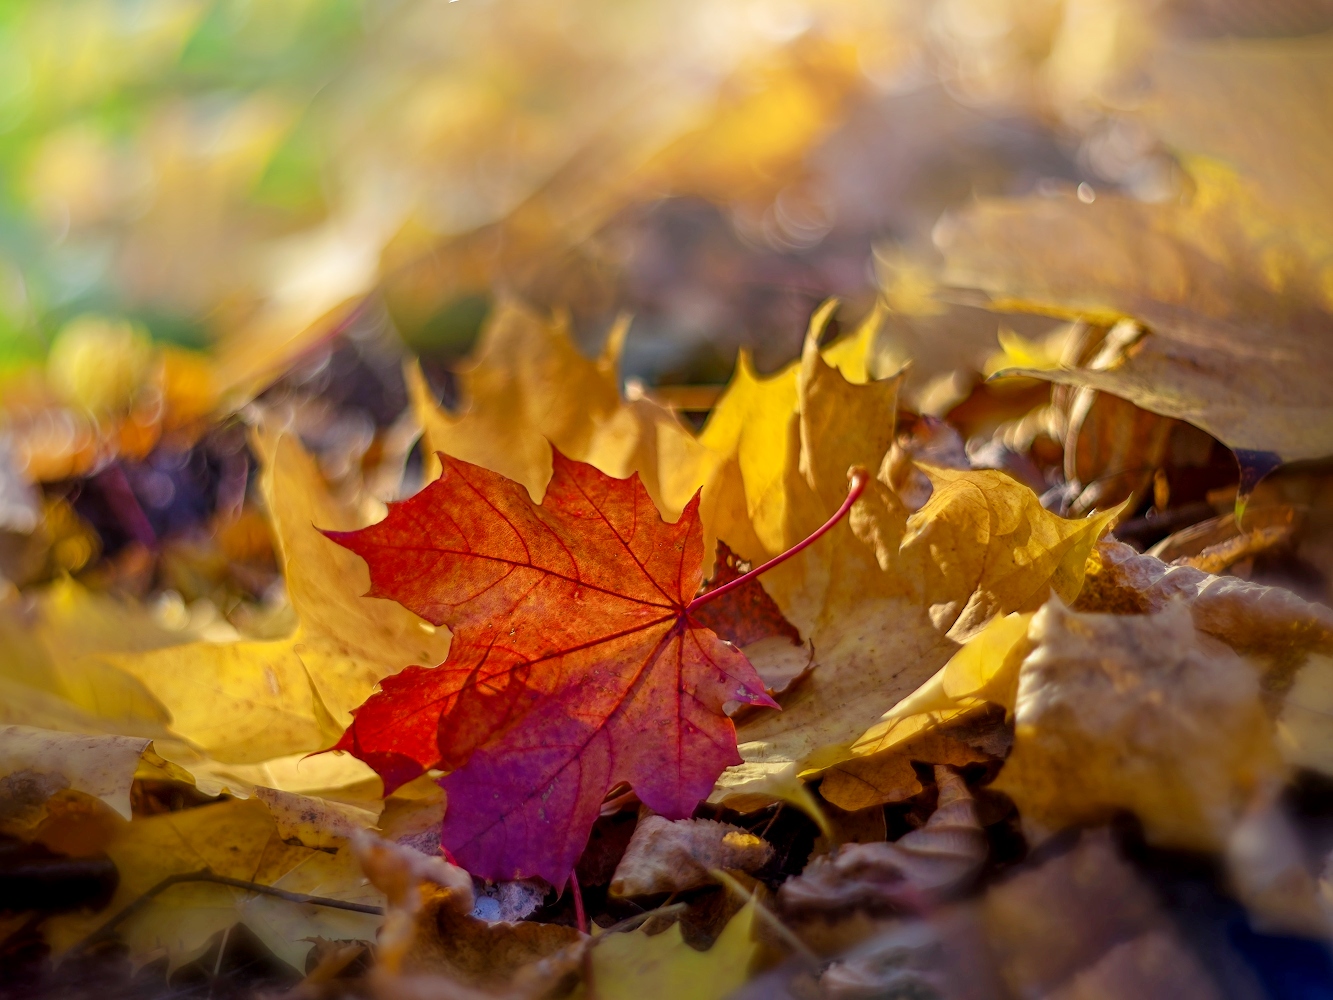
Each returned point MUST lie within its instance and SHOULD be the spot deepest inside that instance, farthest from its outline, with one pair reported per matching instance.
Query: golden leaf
(527, 387)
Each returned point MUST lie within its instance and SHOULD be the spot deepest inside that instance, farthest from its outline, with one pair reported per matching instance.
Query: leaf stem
(580, 915)
(857, 480)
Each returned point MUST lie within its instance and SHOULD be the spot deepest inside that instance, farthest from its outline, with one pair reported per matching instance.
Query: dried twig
(204, 875)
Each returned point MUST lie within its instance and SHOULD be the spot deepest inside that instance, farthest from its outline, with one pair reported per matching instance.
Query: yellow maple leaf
(36, 763)
(527, 387)
(878, 596)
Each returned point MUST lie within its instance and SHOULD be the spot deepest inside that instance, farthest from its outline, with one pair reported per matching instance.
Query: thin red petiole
(856, 486)
(580, 916)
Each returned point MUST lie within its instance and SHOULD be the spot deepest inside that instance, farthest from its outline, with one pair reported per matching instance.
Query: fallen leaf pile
(503, 597)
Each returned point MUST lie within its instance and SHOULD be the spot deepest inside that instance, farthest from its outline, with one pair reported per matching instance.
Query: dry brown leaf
(401, 873)
(862, 782)
(1268, 623)
(904, 961)
(450, 942)
(1290, 639)
(1137, 712)
(923, 866)
(1218, 543)
(667, 856)
(1083, 925)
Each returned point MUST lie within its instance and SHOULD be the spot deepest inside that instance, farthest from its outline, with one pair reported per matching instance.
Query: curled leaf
(924, 865)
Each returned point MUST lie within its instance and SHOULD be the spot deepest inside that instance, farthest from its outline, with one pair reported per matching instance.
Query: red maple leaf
(574, 665)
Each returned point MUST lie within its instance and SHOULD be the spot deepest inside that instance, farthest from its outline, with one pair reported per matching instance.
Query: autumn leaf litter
(540, 727)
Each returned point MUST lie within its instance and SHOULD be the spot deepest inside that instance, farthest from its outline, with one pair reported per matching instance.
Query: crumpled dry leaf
(248, 702)
(1269, 624)
(1082, 926)
(237, 839)
(36, 763)
(904, 961)
(449, 941)
(635, 966)
(1289, 638)
(528, 387)
(1141, 713)
(920, 868)
(400, 872)
(666, 856)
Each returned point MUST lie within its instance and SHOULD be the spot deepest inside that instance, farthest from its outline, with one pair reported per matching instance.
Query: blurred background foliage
(202, 201)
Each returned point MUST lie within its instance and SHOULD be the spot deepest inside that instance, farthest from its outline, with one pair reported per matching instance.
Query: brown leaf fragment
(1083, 925)
(1268, 623)
(923, 866)
(901, 962)
(479, 953)
(1222, 556)
(1215, 544)
(1111, 446)
(1153, 966)
(667, 856)
(862, 782)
